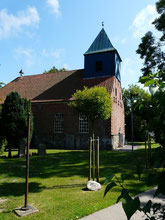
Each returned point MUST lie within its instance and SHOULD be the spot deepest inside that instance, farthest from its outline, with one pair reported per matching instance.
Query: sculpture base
(23, 211)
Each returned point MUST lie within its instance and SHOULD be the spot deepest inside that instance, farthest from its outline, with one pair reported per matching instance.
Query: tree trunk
(90, 158)
(97, 161)
(93, 150)
(146, 156)
(9, 151)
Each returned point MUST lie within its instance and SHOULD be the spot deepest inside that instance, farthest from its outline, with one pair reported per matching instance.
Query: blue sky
(36, 35)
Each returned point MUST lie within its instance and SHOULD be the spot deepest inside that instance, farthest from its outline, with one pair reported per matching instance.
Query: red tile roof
(58, 86)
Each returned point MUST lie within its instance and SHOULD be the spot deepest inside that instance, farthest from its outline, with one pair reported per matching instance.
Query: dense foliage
(134, 97)
(94, 103)
(55, 70)
(150, 49)
(152, 52)
(13, 123)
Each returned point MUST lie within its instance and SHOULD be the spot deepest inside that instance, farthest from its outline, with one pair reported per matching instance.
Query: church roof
(100, 44)
(58, 86)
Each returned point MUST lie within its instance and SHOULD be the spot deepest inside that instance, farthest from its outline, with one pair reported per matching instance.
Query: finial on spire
(21, 72)
(103, 24)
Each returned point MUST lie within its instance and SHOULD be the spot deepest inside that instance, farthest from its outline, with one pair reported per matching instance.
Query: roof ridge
(42, 74)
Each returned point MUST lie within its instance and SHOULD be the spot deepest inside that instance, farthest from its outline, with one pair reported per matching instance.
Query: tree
(150, 49)
(160, 22)
(1, 138)
(94, 103)
(55, 70)
(14, 120)
(133, 97)
(1, 84)
(152, 52)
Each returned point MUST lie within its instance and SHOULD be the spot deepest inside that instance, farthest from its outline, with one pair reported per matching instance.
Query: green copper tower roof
(100, 44)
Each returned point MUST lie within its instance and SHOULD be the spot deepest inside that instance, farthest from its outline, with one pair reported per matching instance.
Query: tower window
(99, 66)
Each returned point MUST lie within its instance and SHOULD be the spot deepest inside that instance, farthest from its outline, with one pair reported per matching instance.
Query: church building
(57, 125)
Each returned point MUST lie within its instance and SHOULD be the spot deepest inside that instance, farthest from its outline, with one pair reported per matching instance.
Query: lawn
(57, 184)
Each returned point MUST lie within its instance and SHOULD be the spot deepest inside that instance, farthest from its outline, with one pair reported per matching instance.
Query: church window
(58, 123)
(83, 124)
(99, 66)
(115, 92)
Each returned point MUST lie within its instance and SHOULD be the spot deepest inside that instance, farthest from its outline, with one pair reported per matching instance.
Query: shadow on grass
(69, 163)
(18, 189)
(65, 186)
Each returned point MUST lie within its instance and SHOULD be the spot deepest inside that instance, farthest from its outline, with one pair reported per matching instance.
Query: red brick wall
(44, 120)
(44, 125)
(117, 117)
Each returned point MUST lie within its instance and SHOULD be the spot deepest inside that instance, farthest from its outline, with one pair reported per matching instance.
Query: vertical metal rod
(93, 141)
(132, 127)
(149, 150)
(146, 156)
(27, 162)
(90, 158)
(97, 161)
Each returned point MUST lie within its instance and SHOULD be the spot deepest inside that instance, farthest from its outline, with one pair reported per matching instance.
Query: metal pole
(27, 162)
(97, 161)
(146, 156)
(93, 141)
(90, 158)
(132, 127)
(149, 150)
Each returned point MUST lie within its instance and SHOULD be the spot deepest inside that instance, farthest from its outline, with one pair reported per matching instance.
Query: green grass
(142, 144)
(57, 184)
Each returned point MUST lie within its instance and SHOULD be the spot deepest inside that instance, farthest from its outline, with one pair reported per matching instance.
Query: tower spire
(102, 23)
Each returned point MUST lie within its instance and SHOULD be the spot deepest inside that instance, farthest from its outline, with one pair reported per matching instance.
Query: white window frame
(83, 124)
(58, 123)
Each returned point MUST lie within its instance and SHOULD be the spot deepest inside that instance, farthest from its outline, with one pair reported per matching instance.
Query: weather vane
(103, 24)
(21, 72)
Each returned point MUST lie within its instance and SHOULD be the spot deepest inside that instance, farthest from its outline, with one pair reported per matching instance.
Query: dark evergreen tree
(14, 120)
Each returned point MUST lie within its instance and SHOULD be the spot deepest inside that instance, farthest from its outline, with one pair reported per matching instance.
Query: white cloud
(11, 24)
(143, 21)
(54, 4)
(27, 55)
(123, 41)
(57, 53)
(130, 71)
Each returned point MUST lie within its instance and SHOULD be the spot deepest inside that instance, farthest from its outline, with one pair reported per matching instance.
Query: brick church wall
(70, 138)
(117, 117)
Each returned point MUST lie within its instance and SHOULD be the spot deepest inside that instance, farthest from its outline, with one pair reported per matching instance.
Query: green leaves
(130, 205)
(150, 82)
(124, 194)
(151, 179)
(147, 207)
(109, 187)
(108, 178)
(94, 103)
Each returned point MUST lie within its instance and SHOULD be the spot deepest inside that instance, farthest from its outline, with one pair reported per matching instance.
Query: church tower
(102, 59)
